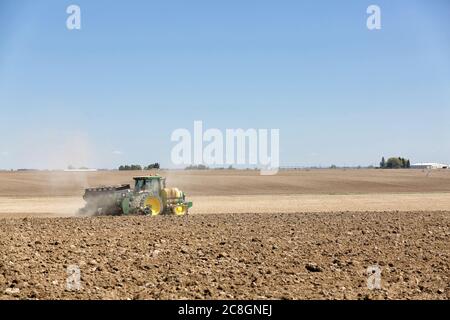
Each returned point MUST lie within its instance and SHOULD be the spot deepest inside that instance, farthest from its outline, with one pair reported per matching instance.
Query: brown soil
(20, 207)
(235, 182)
(235, 256)
(249, 236)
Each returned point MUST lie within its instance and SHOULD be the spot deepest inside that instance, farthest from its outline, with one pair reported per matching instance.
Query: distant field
(235, 191)
(235, 182)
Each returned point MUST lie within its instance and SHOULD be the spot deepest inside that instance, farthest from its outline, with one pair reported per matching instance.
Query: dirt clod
(313, 267)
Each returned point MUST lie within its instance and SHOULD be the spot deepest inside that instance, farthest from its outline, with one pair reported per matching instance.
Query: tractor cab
(152, 184)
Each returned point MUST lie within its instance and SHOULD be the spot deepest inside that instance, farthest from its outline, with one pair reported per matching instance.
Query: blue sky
(114, 91)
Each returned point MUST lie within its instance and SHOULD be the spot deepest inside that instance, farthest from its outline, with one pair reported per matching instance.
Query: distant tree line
(136, 167)
(152, 166)
(203, 167)
(130, 167)
(197, 167)
(395, 163)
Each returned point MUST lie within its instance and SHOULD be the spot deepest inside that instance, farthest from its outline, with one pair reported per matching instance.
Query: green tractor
(149, 197)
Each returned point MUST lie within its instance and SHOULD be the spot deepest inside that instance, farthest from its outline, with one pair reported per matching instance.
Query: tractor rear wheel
(153, 204)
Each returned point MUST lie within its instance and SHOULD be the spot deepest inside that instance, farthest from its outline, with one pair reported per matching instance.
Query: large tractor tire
(152, 205)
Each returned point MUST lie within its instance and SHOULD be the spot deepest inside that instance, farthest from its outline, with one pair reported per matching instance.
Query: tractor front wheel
(179, 210)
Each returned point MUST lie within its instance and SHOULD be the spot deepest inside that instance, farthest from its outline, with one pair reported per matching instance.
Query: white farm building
(429, 165)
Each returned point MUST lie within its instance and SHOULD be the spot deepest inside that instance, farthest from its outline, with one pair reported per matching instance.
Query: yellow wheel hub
(179, 210)
(155, 205)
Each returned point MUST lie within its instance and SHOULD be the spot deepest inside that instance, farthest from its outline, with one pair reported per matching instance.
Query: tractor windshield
(153, 186)
(150, 185)
(139, 185)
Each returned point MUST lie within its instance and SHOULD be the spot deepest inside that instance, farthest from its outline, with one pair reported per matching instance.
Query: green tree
(383, 163)
(152, 166)
(394, 163)
(132, 167)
